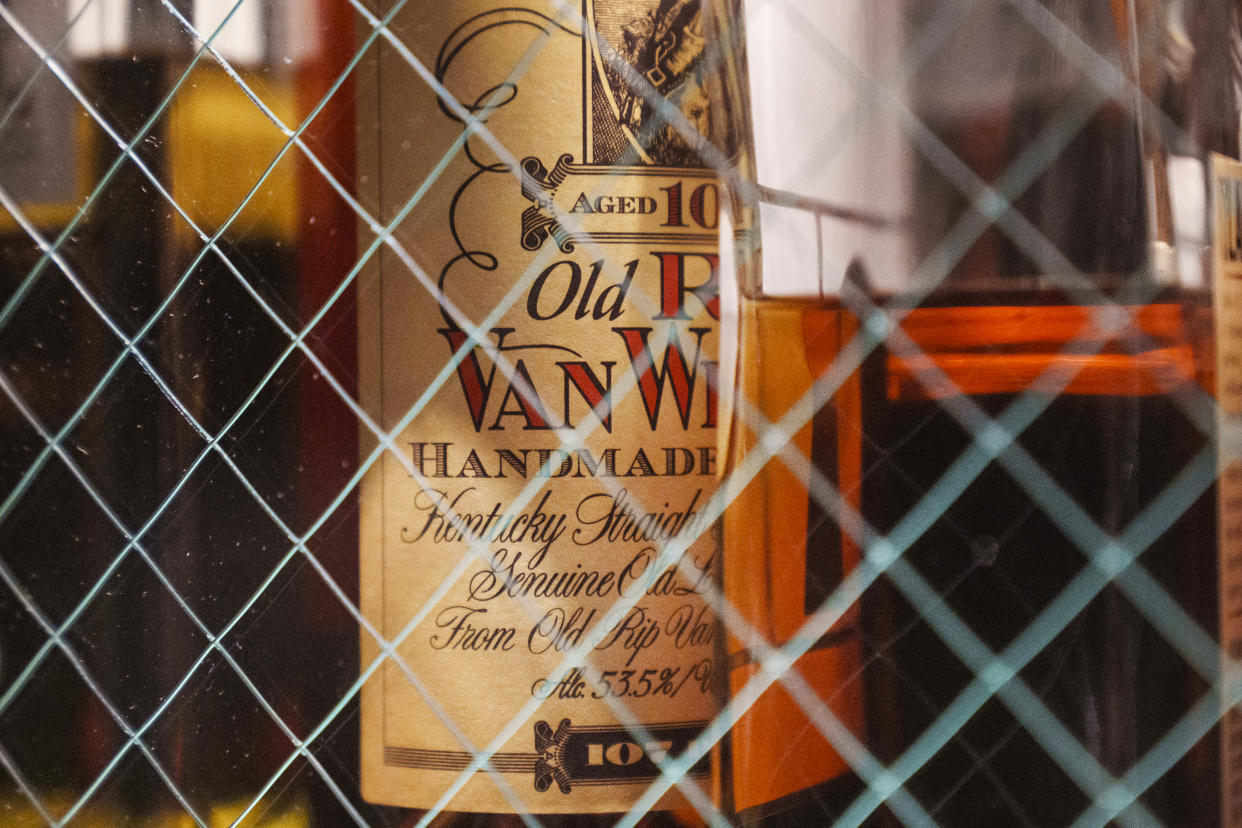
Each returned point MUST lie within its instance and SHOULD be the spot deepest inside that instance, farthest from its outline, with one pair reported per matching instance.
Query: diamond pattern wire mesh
(57, 454)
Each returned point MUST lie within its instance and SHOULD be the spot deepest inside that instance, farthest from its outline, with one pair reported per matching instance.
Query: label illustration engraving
(540, 344)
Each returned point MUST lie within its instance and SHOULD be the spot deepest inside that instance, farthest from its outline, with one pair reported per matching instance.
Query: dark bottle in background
(1027, 380)
(169, 510)
(1107, 426)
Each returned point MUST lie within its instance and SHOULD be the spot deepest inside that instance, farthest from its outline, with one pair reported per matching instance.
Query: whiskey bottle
(537, 352)
(1030, 386)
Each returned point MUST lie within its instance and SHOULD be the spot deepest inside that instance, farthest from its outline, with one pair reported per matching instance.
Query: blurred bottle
(1067, 319)
(187, 472)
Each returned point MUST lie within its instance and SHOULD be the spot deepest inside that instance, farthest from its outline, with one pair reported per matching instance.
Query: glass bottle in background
(58, 539)
(264, 527)
(1065, 318)
(42, 131)
(1114, 421)
(213, 524)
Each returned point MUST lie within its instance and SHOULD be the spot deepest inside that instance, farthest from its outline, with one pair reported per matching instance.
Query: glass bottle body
(986, 572)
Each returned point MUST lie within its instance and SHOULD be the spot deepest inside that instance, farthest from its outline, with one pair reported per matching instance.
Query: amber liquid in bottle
(1108, 431)
(997, 530)
(783, 556)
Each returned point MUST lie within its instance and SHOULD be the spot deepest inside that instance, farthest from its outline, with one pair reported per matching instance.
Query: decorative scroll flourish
(460, 38)
(550, 765)
(539, 185)
(491, 99)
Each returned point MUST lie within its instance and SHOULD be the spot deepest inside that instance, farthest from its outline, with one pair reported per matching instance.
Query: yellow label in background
(221, 143)
(1226, 205)
(542, 349)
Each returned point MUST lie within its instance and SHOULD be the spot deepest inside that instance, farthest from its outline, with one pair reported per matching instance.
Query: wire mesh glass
(970, 528)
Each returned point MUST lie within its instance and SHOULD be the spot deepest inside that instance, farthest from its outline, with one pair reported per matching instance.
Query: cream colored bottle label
(1226, 204)
(541, 350)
